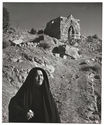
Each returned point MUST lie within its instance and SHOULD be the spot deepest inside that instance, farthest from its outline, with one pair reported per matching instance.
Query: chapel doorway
(71, 33)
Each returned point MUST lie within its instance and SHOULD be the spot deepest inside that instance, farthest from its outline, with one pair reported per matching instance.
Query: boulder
(18, 41)
(16, 59)
(72, 51)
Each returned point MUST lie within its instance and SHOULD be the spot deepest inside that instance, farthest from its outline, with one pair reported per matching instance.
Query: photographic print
(52, 61)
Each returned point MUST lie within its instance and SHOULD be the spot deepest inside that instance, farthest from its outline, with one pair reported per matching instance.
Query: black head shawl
(23, 99)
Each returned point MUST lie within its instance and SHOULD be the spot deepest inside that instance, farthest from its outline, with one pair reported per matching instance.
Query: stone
(30, 43)
(73, 52)
(16, 59)
(50, 68)
(64, 57)
(57, 54)
(93, 59)
(18, 41)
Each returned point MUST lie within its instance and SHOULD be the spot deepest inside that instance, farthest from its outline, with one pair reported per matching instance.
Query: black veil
(20, 103)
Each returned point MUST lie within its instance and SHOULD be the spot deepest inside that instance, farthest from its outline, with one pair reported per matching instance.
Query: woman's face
(39, 77)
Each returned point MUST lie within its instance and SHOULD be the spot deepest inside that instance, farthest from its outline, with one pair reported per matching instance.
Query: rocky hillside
(74, 73)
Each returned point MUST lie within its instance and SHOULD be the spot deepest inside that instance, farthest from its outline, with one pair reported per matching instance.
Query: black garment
(37, 104)
(34, 97)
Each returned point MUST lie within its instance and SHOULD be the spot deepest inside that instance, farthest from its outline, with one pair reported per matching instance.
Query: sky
(36, 15)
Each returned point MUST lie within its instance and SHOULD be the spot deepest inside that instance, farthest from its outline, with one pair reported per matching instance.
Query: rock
(4, 55)
(28, 57)
(16, 59)
(19, 78)
(56, 41)
(72, 51)
(91, 107)
(50, 69)
(91, 77)
(64, 57)
(30, 43)
(57, 54)
(19, 41)
(37, 60)
(89, 62)
(20, 60)
(93, 59)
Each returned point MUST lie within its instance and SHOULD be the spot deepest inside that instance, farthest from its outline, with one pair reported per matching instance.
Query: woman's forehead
(39, 71)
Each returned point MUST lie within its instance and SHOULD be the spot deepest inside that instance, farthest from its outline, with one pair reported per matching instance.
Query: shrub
(32, 31)
(89, 39)
(37, 40)
(95, 36)
(55, 50)
(11, 30)
(41, 37)
(44, 45)
(60, 49)
(40, 32)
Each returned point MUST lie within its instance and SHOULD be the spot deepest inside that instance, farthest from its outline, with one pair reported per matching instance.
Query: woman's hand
(30, 114)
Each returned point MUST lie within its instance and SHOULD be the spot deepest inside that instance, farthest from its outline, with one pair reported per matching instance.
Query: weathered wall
(53, 28)
(66, 24)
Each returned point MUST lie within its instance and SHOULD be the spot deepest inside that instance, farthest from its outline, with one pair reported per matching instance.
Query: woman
(34, 102)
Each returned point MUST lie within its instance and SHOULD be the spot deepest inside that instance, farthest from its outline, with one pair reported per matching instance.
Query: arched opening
(71, 33)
